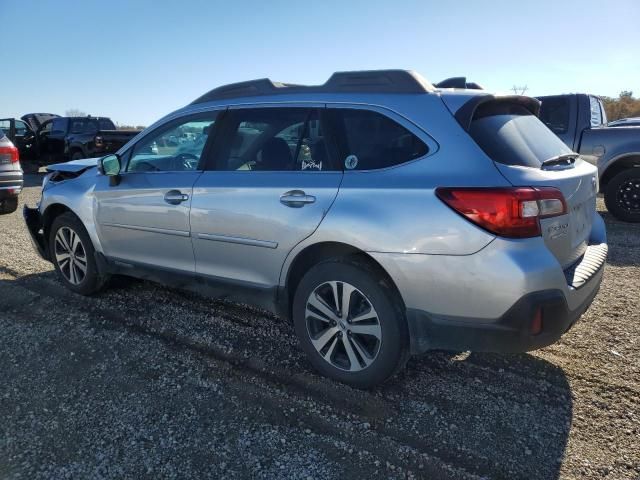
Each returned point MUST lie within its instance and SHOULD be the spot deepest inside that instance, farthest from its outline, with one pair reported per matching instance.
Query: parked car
(63, 138)
(625, 122)
(10, 175)
(20, 133)
(383, 216)
(580, 121)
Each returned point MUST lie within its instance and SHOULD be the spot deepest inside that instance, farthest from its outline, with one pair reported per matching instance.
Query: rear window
(510, 134)
(554, 113)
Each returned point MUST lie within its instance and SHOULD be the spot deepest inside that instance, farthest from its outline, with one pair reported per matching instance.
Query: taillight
(98, 141)
(508, 212)
(9, 153)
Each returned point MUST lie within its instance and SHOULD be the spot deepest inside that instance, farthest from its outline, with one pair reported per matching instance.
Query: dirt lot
(147, 382)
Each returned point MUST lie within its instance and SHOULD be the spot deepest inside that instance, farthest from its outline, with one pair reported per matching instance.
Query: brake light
(98, 141)
(508, 212)
(9, 153)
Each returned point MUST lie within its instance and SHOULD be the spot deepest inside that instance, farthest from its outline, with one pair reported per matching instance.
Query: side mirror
(110, 166)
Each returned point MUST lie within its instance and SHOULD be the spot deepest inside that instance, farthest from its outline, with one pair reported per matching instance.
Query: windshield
(516, 137)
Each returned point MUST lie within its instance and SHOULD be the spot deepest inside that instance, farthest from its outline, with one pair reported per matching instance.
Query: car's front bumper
(33, 220)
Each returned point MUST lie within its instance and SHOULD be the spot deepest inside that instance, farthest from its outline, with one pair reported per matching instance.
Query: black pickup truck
(580, 122)
(73, 138)
(45, 138)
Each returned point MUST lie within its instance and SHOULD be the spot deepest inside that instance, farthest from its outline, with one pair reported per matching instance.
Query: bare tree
(74, 112)
(519, 90)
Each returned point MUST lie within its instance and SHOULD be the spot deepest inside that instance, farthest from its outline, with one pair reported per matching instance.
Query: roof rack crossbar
(368, 81)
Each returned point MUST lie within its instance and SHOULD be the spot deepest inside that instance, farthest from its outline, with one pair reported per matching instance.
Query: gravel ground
(143, 381)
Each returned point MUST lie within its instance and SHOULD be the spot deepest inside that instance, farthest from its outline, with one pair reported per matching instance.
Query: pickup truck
(579, 120)
(73, 138)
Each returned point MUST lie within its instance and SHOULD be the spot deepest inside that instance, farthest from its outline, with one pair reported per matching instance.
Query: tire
(8, 205)
(622, 195)
(376, 355)
(85, 283)
(77, 155)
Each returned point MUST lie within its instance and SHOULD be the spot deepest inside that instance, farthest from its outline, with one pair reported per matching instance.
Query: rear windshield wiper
(565, 160)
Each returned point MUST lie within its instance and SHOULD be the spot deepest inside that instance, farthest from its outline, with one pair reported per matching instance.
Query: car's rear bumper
(511, 296)
(535, 321)
(33, 220)
(11, 183)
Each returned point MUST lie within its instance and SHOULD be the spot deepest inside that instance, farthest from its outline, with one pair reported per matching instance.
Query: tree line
(624, 106)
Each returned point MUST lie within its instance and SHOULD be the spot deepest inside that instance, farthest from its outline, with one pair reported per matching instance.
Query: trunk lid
(519, 143)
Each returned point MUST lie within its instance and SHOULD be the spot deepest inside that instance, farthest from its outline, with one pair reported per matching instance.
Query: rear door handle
(296, 198)
(175, 197)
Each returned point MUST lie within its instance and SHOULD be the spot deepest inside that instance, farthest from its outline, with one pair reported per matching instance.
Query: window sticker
(351, 162)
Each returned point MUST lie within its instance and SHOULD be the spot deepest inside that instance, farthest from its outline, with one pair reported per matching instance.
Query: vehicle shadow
(494, 416)
(498, 416)
(33, 179)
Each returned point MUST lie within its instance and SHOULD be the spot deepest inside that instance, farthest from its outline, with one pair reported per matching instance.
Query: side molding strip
(240, 240)
(165, 231)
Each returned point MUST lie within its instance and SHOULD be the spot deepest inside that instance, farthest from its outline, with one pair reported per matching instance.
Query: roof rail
(366, 81)
(458, 82)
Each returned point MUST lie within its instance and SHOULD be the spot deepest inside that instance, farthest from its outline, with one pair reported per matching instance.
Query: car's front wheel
(73, 255)
(622, 195)
(350, 323)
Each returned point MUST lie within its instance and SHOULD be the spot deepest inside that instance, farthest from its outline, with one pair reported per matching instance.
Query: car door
(56, 139)
(272, 182)
(24, 139)
(144, 220)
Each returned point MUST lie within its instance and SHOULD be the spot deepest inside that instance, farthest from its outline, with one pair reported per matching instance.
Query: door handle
(175, 197)
(296, 198)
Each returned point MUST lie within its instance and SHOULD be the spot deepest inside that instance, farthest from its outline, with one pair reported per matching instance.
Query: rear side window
(554, 113)
(372, 141)
(510, 134)
(596, 113)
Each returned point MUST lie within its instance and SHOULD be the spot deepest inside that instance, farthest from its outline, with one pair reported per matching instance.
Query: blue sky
(138, 60)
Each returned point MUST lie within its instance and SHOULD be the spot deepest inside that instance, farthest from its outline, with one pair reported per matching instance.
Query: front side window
(371, 140)
(59, 126)
(21, 128)
(175, 148)
(45, 129)
(275, 139)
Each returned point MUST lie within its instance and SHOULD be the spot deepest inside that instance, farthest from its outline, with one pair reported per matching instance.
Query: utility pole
(519, 90)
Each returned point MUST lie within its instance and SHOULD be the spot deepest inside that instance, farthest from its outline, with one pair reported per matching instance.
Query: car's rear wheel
(8, 205)
(350, 324)
(622, 195)
(77, 155)
(73, 255)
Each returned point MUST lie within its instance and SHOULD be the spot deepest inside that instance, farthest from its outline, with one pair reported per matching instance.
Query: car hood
(74, 166)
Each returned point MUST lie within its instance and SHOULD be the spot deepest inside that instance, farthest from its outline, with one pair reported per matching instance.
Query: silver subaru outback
(385, 217)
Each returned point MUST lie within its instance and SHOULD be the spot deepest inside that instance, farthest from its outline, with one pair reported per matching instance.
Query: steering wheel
(188, 161)
(148, 166)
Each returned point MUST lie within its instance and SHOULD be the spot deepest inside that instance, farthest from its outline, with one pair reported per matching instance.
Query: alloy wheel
(343, 326)
(70, 255)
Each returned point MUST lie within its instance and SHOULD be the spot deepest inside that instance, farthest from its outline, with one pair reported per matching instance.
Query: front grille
(587, 266)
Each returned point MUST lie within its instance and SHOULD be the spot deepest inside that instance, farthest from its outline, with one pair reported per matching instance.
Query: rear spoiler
(464, 115)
